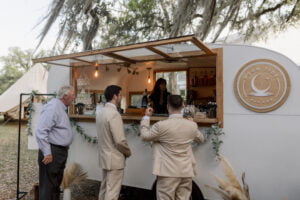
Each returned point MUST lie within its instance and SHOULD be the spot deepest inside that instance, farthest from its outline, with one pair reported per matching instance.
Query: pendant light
(149, 79)
(96, 73)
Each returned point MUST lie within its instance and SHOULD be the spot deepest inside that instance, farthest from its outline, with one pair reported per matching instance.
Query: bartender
(158, 98)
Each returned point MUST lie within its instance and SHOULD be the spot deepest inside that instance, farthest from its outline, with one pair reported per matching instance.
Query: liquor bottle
(196, 80)
(192, 80)
(145, 99)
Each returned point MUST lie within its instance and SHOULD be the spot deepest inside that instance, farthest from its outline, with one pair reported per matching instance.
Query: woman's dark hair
(110, 91)
(175, 101)
(156, 89)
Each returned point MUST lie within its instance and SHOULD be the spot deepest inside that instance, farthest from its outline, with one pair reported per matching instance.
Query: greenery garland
(30, 110)
(133, 128)
(80, 130)
(214, 133)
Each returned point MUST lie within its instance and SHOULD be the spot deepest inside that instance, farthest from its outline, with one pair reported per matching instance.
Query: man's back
(172, 151)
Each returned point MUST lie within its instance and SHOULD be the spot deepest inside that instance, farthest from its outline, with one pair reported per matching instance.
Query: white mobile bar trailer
(257, 92)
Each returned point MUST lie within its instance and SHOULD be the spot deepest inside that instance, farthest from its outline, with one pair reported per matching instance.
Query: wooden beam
(52, 63)
(119, 57)
(81, 60)
(202, 46)
(155, 50)
(219, 88)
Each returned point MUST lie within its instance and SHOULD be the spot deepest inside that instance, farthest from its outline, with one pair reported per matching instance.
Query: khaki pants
(111, 184)
(170, 188)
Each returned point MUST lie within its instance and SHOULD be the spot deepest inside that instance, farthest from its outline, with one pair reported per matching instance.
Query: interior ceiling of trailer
(188, 49)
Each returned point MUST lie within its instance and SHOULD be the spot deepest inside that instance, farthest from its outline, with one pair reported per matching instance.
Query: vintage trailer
(257, 92)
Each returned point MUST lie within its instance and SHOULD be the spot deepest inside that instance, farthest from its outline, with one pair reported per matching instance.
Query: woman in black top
(159, 97)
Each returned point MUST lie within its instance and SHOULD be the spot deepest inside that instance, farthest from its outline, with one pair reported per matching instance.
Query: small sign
(262, 85)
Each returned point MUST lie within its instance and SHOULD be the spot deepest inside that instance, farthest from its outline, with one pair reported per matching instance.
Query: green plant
(30, 109)
(81, 131)
(214, 133)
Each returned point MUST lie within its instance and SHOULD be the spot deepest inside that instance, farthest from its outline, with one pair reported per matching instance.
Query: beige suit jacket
(112, 144)
(172, 150)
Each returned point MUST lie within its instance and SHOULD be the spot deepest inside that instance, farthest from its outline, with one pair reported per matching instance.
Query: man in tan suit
(174, 162)
(112, 145)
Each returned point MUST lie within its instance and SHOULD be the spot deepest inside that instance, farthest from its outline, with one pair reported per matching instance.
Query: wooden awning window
(132, 54)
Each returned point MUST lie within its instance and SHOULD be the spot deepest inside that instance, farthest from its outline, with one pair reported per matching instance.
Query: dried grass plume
(230, 189)
(73, 174)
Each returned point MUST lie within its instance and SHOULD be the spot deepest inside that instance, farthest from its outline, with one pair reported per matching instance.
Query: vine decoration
(30, 109)
(213, 133)
(80, 130)
(132, 128)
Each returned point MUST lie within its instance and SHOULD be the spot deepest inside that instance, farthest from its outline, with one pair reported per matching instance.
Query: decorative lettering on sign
(262, 85)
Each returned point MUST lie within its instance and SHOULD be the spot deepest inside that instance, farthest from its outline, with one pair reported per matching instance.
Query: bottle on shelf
(205, 79)
(144, 103)
(192, 79)
(196, 80)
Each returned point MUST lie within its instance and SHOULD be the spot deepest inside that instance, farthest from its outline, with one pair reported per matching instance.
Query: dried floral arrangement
(73, 174)
(230, 189)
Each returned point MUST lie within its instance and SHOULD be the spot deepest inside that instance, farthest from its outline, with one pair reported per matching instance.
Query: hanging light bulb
(149, 79)
(96, 73)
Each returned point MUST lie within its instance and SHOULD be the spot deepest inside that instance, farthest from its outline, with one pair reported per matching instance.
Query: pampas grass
(230, 189)
(73, 174)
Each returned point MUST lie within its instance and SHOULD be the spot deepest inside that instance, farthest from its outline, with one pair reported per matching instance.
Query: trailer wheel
(196, 192)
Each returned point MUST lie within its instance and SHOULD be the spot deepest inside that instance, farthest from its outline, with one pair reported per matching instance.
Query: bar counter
(137, 118)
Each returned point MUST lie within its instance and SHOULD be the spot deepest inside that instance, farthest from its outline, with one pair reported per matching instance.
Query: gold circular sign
(262, 85)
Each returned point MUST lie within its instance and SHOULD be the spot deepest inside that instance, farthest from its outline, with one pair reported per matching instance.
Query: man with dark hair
(174, 162)
(110, 91)
(53, 136)
(175, 101)
(112, 144)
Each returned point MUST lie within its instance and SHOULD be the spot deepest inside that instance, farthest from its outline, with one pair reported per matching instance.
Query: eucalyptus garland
(30, 110)
(213, 133)
(80, 130)
(132, 128)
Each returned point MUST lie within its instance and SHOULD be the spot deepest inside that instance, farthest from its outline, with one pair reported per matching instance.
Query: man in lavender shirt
(54, 135)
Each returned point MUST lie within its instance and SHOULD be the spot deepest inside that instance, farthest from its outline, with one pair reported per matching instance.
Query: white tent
(35, 79)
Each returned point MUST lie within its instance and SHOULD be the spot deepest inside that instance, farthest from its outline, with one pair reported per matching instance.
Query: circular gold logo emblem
(262, 85)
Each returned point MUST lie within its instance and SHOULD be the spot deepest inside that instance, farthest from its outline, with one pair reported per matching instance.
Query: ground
(29, 170)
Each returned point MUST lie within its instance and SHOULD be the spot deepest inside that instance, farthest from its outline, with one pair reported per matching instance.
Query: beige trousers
(111, 184)
(170, 188)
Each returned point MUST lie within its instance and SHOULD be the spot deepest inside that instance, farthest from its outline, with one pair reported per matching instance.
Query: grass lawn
(8, 161)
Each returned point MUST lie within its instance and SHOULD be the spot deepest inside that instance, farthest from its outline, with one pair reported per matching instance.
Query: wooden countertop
(130, 118)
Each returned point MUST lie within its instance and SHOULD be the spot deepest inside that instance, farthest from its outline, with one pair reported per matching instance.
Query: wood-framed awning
(134, 53)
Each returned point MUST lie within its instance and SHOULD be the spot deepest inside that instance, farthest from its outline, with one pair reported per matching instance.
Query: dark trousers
(51, 175)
